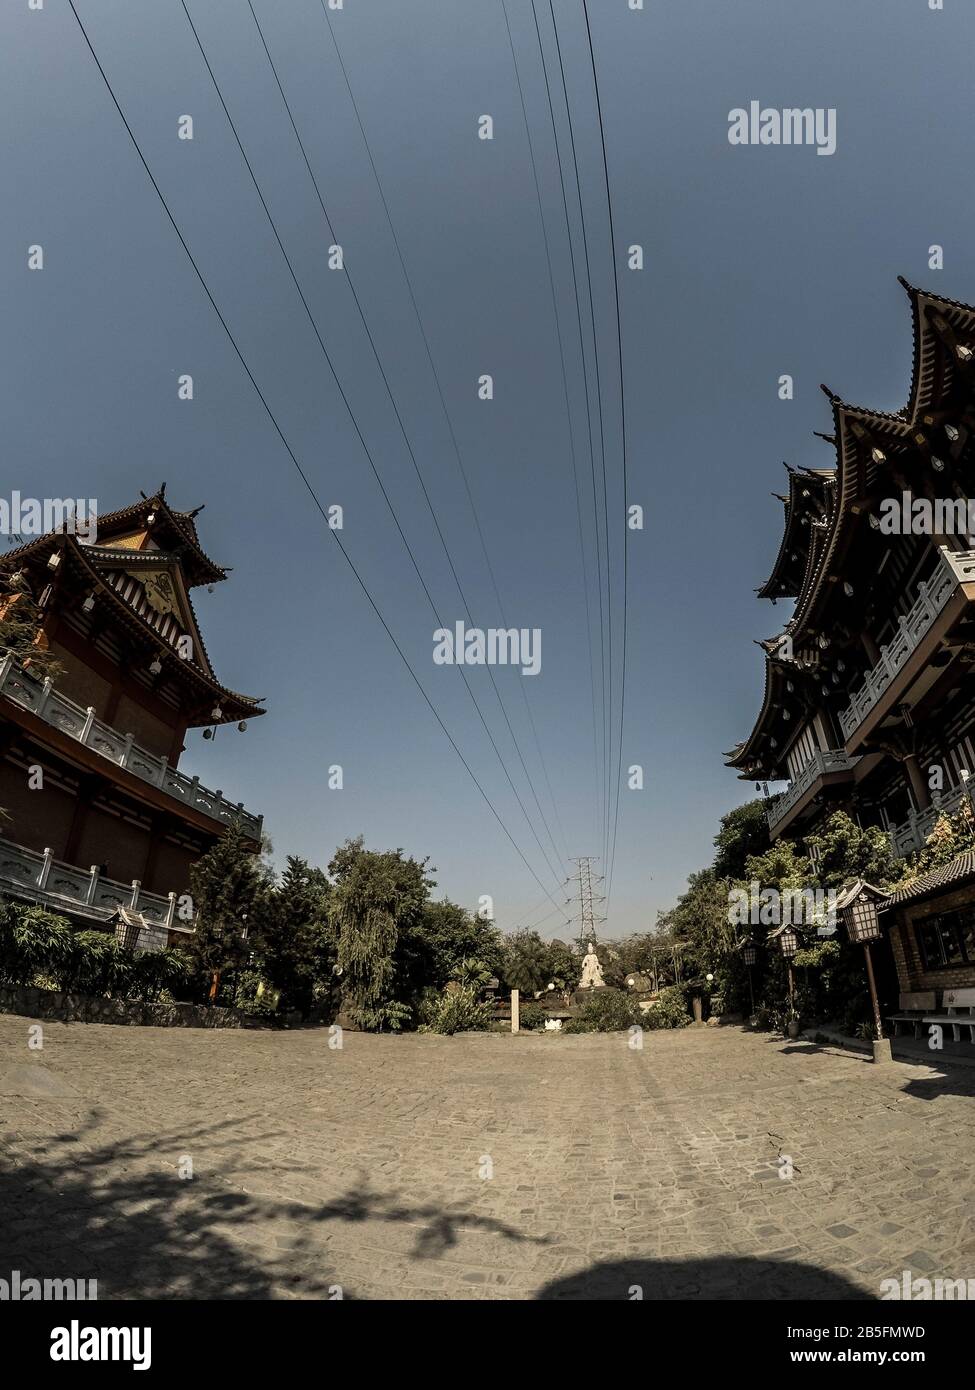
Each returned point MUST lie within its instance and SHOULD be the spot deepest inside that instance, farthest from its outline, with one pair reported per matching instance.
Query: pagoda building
(101, 821)
(869, 702)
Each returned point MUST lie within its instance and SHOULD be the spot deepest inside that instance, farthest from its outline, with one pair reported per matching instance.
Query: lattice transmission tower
(586, 896)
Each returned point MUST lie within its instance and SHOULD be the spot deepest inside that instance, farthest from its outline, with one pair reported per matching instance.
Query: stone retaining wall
(87, 1008)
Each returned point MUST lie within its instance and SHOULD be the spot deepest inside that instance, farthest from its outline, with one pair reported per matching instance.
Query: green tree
(376, 897)
(844, 850)
(432, 946)
(229, 888)
(743, 834)
(298, 945)
(527, 962)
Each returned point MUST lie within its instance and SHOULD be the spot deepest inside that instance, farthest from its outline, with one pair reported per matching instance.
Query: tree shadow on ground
(948, 1080)
(440, 1226)
(725, 1278)
(120, 1212)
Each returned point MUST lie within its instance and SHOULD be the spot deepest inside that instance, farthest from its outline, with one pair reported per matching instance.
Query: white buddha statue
(592, 971)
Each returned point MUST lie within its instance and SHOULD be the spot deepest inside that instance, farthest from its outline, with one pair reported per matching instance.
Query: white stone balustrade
(832, 760)
(41, 698)
(50, 883)
(956, 567)
(912, 834)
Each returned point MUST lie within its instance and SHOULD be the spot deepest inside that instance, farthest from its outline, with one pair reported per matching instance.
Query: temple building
(100, 821)
(869, 701)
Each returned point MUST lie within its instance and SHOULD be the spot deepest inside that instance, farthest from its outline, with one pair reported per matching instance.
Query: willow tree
(376, 896)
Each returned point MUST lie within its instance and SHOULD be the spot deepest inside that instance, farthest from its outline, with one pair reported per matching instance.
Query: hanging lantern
(155, 666)
(952, 433)
(937, 464)
(242, 726)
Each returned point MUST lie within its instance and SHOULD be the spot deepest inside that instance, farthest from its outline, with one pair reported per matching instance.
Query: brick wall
(907, 956)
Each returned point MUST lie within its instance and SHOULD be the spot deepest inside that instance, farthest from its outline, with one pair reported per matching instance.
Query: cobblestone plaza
(713, 1163)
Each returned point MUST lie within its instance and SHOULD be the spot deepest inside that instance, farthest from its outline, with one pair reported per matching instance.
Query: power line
(619, 342)
(607, 702)
(565, 381)
(399, 419)
(346, 402)
(443, 403)
(304, 478)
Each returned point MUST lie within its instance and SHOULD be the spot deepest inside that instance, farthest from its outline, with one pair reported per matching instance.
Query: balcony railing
(822, 763)
(40, 697)
(913, 833)
(51, 883)
(955, 567)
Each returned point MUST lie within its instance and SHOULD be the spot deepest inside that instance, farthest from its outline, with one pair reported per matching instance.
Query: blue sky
(758, 261)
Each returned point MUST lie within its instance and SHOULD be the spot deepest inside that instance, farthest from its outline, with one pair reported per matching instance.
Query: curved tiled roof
(859, 429)
(858, 432)
(797, 535)
(957, 870)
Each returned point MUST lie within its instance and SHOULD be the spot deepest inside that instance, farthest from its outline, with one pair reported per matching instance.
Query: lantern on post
(749, 955)
(789, 945)
(859, 906)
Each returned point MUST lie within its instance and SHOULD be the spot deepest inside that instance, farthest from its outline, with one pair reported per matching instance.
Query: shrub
(532, 1016)
(93, 963)
(154, 971)
(31, 940)
(670, 1010)
(578, 1025)
(610, 1011)
(460, 1011)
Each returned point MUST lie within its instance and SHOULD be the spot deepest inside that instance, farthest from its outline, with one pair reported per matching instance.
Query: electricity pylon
(586, 897)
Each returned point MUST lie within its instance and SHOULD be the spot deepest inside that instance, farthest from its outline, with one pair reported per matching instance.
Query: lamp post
(863, 925)
(789, 945)
(750, 955)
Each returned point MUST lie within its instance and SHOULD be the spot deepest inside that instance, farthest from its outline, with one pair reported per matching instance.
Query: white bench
(912, 1007)
(960, 1015)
